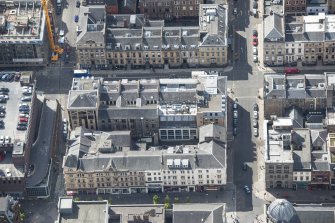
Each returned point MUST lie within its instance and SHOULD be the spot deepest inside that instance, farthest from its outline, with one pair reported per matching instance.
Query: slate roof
(301, 145)
(212, 131)
(92, 24)
(273, 27)
(297, 117)
(83, 99)
(319, 138)
(320, 165)
(147, 112)
(199, 213)
(315, 213)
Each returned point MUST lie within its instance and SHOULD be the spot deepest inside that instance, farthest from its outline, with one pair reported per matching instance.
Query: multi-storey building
(274, 40)
(292, 7)
(132, 41)
(23, 38)
(103, 162)
(174, 108)
(170, 9)
(307, 92)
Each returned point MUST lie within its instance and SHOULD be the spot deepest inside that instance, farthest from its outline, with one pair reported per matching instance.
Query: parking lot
(11, 114)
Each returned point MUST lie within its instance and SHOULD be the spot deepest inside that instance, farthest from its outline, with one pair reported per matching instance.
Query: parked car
(255, 123)
(234, 131)
(255, 42)
(2, 108)
(10, 77)
(4, 89)
(2, 100)
(24, 109)
(7, 139)
(77, 3)
(254, 5)
(255, 114)
(2, 155)
(255, 107)
(4, 96)
(23, 120)
(254, 32)
(291, 70)
(246, 189)
(255, 58)
(3, 78)
(2, 139)
(27, 93)
(17, 77)
(26, 112)
(76, 18)
(26, 98)
(235, 122)
(2, 115)
(235, 11)
(254, 12)
(254, 50)
(21, 115)
(22, 123)
(244, 167)
(256, 132)
(21, 127)
(235, 114)
(234, 105)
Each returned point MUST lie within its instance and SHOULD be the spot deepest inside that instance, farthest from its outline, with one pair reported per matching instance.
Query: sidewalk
(302, 68)
(140, 72)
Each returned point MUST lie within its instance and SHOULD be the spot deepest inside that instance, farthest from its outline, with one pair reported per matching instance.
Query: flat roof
(86, 211)
(137, 213)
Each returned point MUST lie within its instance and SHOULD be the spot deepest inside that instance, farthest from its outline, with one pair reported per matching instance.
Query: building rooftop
(199, 213)
(71, 211)
(295, 87)
(137, 213)
(275, 6)
(21, 22)
(301, 145)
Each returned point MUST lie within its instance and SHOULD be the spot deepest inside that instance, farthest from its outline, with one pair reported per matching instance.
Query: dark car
(4, 89)
(10, 77)
(2, 108)
(235, 122)
(22, 124)
(21, 127)
(254, 5)
(235, 131)
(76, 18)
(3, 100)
(17, 77)
(26, 112)
(254, 32)
(24, 109)
(77, 3)
(255, 107)
(244, 167)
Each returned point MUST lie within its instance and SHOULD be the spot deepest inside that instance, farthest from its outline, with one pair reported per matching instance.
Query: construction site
(23, 38)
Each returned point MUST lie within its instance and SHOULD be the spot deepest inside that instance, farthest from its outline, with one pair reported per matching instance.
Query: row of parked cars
(8, 77)
(24, 109)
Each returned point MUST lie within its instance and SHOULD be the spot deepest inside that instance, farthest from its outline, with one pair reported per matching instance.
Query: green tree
(110, 201)
(176, 199)
(155, 199)
(167, 202)
(188, 199)
(76, 199)
(22, 216)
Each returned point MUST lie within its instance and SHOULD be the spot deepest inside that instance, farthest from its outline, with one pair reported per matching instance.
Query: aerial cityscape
(167, 111)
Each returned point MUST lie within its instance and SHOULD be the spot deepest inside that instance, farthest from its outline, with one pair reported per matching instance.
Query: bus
(81, 73)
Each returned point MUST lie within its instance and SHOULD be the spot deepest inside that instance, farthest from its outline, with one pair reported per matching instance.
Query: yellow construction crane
(55, 48)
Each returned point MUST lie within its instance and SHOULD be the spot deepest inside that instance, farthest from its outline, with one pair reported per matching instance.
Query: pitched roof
(199, 213)
(83, 99)
(273, 27)
(296, 115)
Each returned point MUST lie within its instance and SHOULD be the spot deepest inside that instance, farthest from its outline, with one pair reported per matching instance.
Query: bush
(155, 199)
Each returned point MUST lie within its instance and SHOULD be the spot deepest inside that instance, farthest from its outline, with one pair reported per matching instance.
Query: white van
(254, 50)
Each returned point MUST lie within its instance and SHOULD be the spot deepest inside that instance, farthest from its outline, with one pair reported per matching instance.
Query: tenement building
(23, 38)
(174, 108)
(170, 9)
(117, 41)
(109, 162)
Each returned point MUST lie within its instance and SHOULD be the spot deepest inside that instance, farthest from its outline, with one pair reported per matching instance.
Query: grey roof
(83, 99)
(315, 213)
(199, 213)
(86, 211)
(275, 86)
(40, 151)
(280, 210)
(146, 112)
(320, 165)
(212, 131)
(274, 27)
(301, 145)
(319, 138)
(296, 115)
(4, 204)
(91, 24)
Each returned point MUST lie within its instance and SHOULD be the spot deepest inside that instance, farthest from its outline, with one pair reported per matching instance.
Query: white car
(4, 96)
(8, 173)
(255, 132)
(7, 139)
(254, 50)
(235, 114)
(2, 140)
(27, 87)
(21, 115)
(255, 114)
(255, 58)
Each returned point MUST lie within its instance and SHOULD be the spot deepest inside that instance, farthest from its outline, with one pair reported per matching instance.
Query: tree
(22, 216)
(110, 201)
(76, 199)
(155, 199)
(188, 199)
(167, 202)
(176, 199)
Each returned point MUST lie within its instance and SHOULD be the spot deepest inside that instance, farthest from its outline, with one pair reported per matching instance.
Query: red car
(254, 36)
(2, 155)
(291, 70)
(23, 119)
(255, 42)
